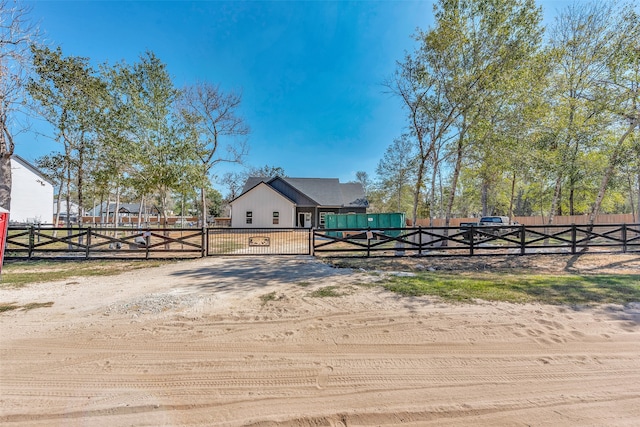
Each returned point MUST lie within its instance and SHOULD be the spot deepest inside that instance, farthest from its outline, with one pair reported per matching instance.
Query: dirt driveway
(255, 341)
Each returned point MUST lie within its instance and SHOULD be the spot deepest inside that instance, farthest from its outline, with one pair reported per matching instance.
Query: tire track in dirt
(365, 358)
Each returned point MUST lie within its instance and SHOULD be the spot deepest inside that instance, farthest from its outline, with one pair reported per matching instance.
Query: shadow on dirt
(255, 272)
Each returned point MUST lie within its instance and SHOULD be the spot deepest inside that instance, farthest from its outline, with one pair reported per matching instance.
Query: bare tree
(213, 118)
(363, 178)
(16, 34)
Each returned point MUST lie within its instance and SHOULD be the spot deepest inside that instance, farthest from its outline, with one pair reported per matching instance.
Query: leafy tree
(477, 49)
(580, 43)
(429, 113)
(622, 91)
(53, 166)
(396, 172)
(68, 92)
(159, 143)
(452, 84)
(215, 202)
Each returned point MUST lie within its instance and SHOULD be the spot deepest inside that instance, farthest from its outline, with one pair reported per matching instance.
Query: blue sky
(310, 72)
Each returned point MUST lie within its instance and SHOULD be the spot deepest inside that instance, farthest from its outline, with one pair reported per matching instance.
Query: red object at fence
(4, 224)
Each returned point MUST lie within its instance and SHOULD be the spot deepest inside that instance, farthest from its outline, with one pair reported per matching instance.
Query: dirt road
(257, 341)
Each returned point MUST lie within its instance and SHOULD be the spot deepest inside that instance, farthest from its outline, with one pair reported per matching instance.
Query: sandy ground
(243, 341)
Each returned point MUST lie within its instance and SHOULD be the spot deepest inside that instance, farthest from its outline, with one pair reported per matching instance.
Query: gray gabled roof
(353, 195)
(322, 191)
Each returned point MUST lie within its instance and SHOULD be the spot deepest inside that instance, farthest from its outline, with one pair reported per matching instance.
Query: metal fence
(475, 240)
(103, 242)
(108, 242)
(259, 241)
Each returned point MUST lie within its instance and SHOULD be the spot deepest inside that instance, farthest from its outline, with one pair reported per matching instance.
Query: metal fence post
(419, 240)
(523, 240)
(311, 241)
(471, 242)
(573, 238)
(624, 238)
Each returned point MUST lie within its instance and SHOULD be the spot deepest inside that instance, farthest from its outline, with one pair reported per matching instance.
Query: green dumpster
(373, 221)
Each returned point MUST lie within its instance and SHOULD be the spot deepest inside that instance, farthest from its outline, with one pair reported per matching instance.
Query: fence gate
(259, 241)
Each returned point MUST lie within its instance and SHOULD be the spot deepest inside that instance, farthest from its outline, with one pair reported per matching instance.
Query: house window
(276, 217)
(322, 215)
(249, 217)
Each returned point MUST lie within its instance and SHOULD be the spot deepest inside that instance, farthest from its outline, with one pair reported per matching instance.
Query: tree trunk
(571, 196)
(454, 181)
(140, 210)
(5, 181)
(203, 200)
(637, 220)
(609, 172)
(416, 190)
(484, 197)
(440, 195)
(434, 175)
(631, 202)
(116, 212)
(556, 198)
(106, 212)
(101, 206)
(80, 179)
(58, 206)
(513, 195)
(6, 151)
(68, 204)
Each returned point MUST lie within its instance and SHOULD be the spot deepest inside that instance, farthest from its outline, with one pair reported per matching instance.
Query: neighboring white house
(31, 194)
(294, 202)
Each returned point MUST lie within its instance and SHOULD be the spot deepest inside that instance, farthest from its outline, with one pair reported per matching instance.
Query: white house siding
(262, 201)
(31, 195)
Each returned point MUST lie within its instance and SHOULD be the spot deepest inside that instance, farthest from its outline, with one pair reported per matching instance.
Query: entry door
(304, 219)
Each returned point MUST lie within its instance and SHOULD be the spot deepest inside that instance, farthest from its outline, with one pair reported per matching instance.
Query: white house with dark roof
(294, 202)
(31, 194)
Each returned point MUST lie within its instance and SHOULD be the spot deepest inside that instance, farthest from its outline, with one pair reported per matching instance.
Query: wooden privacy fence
(475, 240)
(108, 242)
(535, 220)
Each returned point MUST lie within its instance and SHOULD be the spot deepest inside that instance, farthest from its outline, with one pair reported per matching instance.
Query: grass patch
(548, 289)
(30, 306)
(326, 291)
(22, 273)
(304, 284)
(8, 306)
(271, 296)
(226, 246)
(369, 285)
(33, 305)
